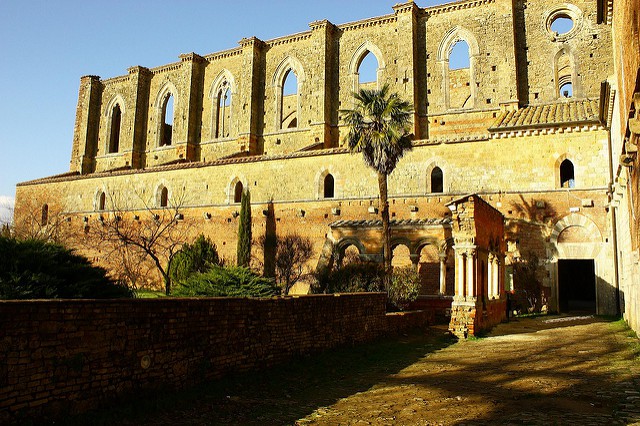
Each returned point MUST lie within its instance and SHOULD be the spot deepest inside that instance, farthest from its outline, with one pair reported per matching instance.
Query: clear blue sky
(47, 45)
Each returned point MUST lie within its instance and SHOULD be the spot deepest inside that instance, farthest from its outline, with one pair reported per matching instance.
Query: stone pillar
(251, 93)
(490, 276)
(412, 83)
(499, 277)
(323, 119)
(415, 261)
(85, 131)
(471, 274)
(193, 66)
(460, 275)
(140, 77)
(443, 275)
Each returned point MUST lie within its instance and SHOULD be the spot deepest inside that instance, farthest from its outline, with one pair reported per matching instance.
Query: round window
(562, 24)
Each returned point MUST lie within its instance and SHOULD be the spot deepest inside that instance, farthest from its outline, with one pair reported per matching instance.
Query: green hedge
(221, 281)
(34, 269)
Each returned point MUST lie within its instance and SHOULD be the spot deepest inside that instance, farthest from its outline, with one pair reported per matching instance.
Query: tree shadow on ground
(279, 395)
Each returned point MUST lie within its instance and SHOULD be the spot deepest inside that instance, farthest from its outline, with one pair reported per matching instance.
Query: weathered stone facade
(624, 104)
(539, 158)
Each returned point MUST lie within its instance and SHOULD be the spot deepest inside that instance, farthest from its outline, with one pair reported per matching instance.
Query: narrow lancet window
(459, 76)
(167, 121)
(329, 186)
(567, 176)
(114, 137)
(289, 101)
(44, 219)
(223, 111)
(368, 71)
(237, 194)
(102, 201)
(437, 180)
(164, 197)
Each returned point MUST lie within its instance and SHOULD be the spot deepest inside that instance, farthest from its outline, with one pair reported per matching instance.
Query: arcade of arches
(460, 259)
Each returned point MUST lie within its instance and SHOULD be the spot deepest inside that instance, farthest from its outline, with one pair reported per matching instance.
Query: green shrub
(194, 258)
(34, 269)
(351, 278)
(403, 287)
(221, 281)
(244, 230)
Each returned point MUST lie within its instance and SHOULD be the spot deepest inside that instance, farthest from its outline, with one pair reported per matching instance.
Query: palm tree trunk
(384, 212)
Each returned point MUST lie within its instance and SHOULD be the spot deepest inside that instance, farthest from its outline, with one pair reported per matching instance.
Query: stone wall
(512, 53)
(63, 357)
(515, 167)
(624, 16)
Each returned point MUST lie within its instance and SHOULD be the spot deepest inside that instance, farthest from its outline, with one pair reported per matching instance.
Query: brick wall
(63, 357)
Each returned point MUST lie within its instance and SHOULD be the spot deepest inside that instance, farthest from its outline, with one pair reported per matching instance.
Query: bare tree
(131, 235)
(292, 252)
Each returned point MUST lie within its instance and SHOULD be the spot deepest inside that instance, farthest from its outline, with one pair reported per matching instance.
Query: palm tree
(379, 128)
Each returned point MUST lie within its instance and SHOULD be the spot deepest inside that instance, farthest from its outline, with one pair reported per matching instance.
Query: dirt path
(548, 370)
(536, 371)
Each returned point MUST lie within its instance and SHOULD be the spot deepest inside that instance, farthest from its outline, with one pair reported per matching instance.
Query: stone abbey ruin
(527, 149)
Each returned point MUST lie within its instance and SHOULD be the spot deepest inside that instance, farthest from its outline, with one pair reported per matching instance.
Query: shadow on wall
(528, 226)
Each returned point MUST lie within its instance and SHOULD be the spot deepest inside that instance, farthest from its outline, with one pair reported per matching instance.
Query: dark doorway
(577, 285)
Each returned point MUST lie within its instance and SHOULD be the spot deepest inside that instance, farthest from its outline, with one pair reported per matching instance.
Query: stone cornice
(116, 80)
(537, 130)
(293, 38)
(458, 5)
(224, 54)
(371, 22)
(168, 67)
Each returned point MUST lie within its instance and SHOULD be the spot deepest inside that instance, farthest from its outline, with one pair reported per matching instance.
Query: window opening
(459, 75)
(565, 75)
(459, 56)
(237, 196)
(223, 113)
(114, 137)
(566, 90)
(437, 180)
(329, 186)
(368, 71)
(562, 24)
(44, 220)
(567, 177)
(167, 121)
(164, 197)
(289, 101)
(102, 201)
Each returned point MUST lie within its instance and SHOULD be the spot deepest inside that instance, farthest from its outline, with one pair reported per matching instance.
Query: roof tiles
(549, 115)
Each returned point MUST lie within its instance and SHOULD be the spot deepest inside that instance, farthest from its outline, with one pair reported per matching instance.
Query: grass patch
(148, 294)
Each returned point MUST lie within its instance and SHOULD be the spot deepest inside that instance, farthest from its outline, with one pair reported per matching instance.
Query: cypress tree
(244, 230)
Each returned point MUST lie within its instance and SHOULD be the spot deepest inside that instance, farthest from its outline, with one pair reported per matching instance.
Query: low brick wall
(440, 306)
(64, 357)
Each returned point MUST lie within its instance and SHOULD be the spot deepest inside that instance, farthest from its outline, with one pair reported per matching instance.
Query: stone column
(490, 276)
(85, 132)
(415, 261)
(460, 274)
(471, 274)
(443, 274)
(250, 120)
(499, 278)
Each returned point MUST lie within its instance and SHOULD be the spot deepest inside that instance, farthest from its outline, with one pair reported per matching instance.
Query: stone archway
(576, 268)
